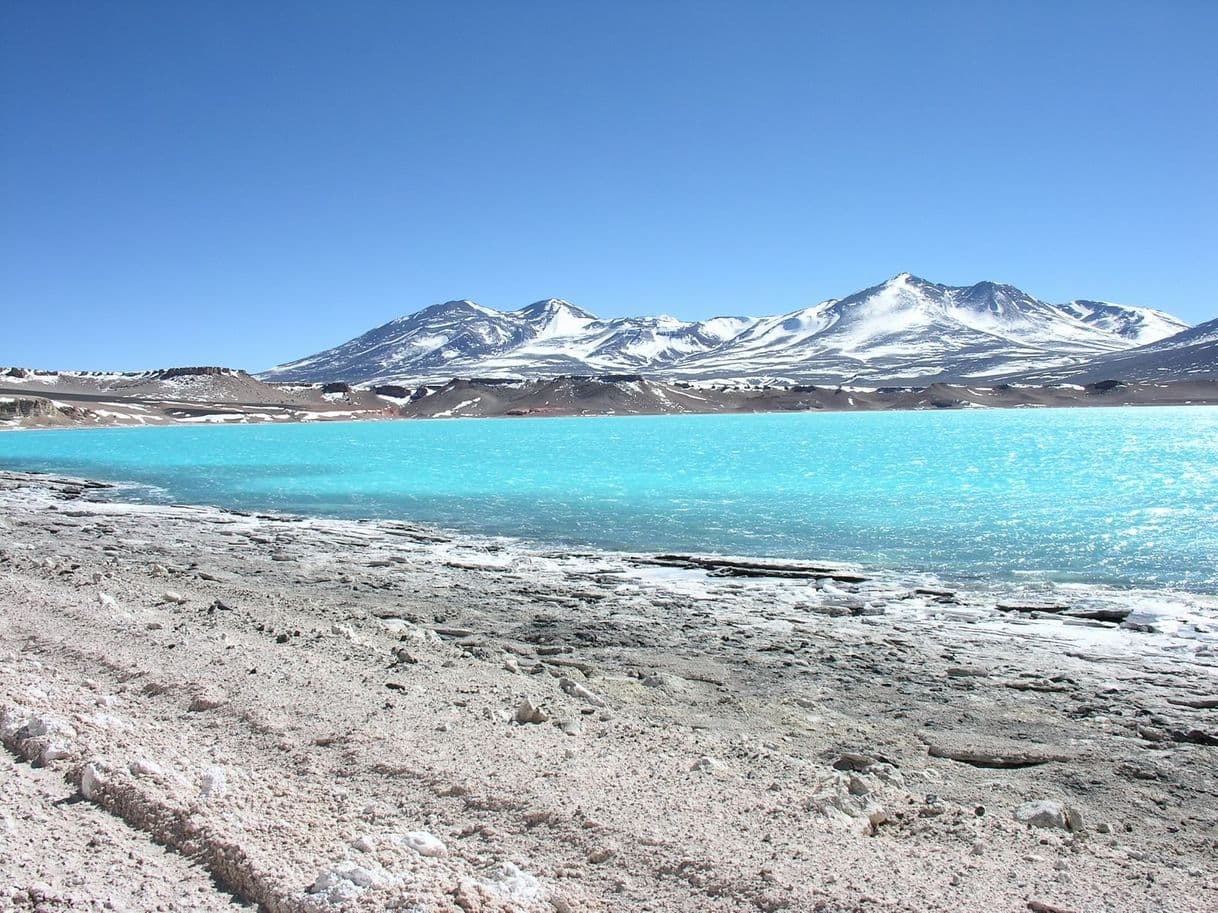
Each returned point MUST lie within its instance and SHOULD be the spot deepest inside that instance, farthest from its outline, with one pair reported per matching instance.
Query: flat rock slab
(986, 751)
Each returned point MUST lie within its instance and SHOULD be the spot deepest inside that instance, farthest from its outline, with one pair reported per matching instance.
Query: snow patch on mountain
(904, 329)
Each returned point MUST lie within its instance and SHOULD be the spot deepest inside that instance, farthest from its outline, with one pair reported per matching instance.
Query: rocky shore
(205, 710)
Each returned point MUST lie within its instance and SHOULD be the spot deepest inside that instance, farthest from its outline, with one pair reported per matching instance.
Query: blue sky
(245, 183)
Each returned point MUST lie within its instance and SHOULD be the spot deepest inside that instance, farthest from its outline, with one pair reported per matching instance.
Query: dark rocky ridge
(220, 395)
(579, 395)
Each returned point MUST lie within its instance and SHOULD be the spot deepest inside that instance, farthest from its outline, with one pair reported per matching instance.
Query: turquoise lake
(1120, 496)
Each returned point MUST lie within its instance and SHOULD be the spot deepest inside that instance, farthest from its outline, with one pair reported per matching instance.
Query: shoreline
(1011, 585)
(586, 732)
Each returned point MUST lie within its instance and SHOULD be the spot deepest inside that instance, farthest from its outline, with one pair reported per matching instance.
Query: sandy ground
(325, 715)
(62, 852)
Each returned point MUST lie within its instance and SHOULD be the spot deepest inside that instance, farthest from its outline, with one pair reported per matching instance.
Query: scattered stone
(92, 781)
(424, 844)
(1037, 906)
(142, 767)
(528, 712)
(575, 689)
(855, 762)
(992, 753)
(207, 701)
(1153, 733)
(173, 597)
(1196, 703)
(402, 656)
(345, 882)
(213, 783)
(1048, 608)
(45, 725)
(962, 672)
(1195, 736)
(523, 887)
(1048, 813)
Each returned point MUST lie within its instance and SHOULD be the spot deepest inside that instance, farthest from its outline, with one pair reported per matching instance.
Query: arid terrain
(205, 709)
(189, 396)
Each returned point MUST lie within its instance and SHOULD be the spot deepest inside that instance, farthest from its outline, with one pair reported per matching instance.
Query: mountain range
(903, 331)
(1188, 355)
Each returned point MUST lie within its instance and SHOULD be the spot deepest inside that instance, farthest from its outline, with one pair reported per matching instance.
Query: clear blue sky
(247, 182)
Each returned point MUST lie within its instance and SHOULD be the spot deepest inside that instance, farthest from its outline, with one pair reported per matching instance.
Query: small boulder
(213, 784)
(207, 701)
(424, 844)
(92, 781)
(528, 712)
(575, 689)
(1048, 813)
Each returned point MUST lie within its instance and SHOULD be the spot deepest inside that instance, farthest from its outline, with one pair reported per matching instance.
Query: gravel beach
(204, 710)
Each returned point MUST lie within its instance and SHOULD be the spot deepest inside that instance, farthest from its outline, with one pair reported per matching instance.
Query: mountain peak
(554, 317)
(457, 304)
(907, 279)
(552, 306)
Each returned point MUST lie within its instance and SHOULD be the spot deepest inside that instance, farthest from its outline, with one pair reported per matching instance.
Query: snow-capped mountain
(544, 339)
(911, 330)
(905, 330)
(1190, 355)
(1140, 325)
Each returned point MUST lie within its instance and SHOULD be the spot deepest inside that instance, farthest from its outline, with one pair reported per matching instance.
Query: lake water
(1121, 496)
